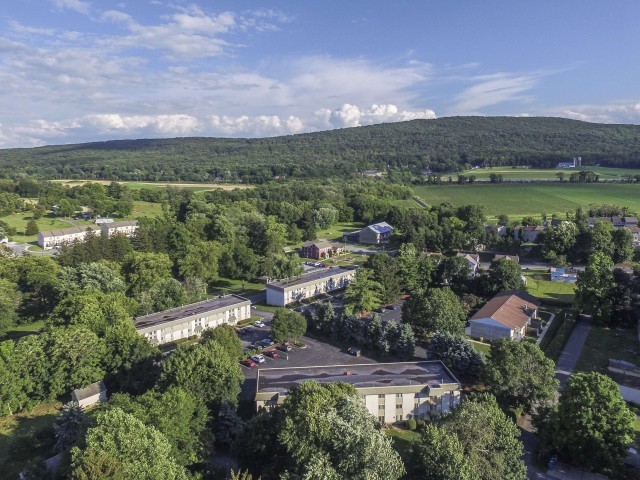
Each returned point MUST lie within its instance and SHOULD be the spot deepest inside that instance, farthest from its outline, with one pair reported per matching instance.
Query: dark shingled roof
(90, 391)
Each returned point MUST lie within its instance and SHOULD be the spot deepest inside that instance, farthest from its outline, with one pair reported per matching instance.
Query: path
(572, 350)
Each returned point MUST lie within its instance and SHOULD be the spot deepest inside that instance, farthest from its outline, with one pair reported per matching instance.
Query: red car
(248, 363)
(272, 354)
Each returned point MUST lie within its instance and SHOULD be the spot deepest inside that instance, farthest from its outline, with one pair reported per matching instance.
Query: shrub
(420, 424)
(411, 424)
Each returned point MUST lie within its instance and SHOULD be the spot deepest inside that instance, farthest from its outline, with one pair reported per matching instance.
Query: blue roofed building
(371, 235)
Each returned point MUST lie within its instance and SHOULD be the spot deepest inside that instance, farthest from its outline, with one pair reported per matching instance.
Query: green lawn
(518, 200)
(509, 173)
(19, 222)
(196, 187)
(605, 343)
(145, 209)
(23, 330)
(336, 231)
(226, 286)
(402, 440)
(539, 285)
(17, 433)
(480, 346)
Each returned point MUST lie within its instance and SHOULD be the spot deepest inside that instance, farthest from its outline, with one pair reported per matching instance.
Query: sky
(76, 71)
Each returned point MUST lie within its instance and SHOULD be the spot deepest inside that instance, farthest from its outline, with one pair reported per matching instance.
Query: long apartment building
(56, 238)
(191, 320)
(284, 292)
(392, 392)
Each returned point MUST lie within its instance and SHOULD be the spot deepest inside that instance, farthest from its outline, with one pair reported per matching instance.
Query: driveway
(572, 350)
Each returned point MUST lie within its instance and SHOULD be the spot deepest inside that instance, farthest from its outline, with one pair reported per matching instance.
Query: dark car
(248, 363)
(272, 354)
(355, 351)
(393, 307)
(285, 347)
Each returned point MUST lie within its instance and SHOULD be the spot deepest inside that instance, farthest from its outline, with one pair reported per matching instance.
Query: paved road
(572, 350)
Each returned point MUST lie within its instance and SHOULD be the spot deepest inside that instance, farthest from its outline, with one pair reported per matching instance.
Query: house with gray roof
(90, 395)
(374, 234)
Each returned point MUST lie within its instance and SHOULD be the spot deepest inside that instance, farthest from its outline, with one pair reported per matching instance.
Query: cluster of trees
(445, 144)
(386, 337)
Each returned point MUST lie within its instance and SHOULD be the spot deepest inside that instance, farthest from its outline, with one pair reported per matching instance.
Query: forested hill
(442, 145)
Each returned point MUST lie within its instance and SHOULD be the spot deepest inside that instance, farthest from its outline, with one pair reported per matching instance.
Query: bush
(420, 424)
(411, 424)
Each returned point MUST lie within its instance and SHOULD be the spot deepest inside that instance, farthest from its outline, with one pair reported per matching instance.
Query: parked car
(285, 347)
(355, 351)
(267, 342)
(393, 307)
(382, 310)
(259, 358)
(248, 363)
(259, 323)
(272, 354)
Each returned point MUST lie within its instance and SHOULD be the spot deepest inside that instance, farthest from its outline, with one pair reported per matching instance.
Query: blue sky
(86, 70)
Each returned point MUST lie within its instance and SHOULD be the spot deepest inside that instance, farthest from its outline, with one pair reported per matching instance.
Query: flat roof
(68, 231)
(186, 311)
(309, 278)
(370, 375)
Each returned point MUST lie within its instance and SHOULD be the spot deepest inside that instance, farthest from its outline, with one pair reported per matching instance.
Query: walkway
(572, 350)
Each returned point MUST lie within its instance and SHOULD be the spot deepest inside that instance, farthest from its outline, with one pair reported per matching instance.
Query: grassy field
(605, 343)
(518, 200)
(336, 231)
(540, 286)
(521, 173)
(160, 185)
(17, 435)
(226, 286)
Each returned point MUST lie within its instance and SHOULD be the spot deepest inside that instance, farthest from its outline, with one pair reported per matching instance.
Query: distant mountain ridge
(443, 144)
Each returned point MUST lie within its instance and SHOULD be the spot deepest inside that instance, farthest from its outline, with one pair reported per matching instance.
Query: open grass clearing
(227, 286)
(482, 347)
(145, 209)
(19, 222)
(402, 440)
(604, 343)
(517, 173)
(335, 232)
(531, 199)
(539, 285)
(159, 185)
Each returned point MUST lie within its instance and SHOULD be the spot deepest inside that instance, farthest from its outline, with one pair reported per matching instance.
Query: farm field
(509, 173)
(160, 185)
(533, 199)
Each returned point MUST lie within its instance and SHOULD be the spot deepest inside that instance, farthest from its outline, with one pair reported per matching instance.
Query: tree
(205, 370)
(594, 286)
(32, 228)
(229, 425)
(504, 274)
(9, 301)
(455, 272)
(69, 425)
(287, 324)
(226, 337)
(99, 276)
(593, 425)
(135, 450)
(437, 455)
(14, 385)
(520, 375)
(200, 261)
(559, 239)
(362, 293)
(239, 262)
(489, 439)
(623, 248)
(437, 309)
(143, 271)
(406, 345)
(408, 259)
(165, 294)
(601, 238)
(457, 354)
(387, 273)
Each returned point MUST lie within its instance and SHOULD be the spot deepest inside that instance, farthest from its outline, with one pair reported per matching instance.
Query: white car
(259, 323)
(259, 358)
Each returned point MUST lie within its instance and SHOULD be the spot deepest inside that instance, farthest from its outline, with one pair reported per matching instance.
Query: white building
(56, 238)
(191, 320)
(318, 282)
(91, 395)
(392, 392)
(507, 315)
(127, 228)
(473, 260)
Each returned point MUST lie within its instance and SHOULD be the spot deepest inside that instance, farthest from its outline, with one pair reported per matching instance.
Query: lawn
(19, 222)
(226, 286)
(539, 285)
(519, 173)
(336, 231)
(25, 436)
(605, 343)
(23, 330)
(482, 347)
(518, 200)
(160, 185)
(145, 209)
(402, 440)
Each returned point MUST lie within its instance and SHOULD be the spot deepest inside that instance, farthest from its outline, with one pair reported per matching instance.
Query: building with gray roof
(284, 292)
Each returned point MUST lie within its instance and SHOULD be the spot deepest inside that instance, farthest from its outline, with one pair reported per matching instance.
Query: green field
(518, 200)
(540, 285)
(196, 187)
(509, 173)
(336, 231)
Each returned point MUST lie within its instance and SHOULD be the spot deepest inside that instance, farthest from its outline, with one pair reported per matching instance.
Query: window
(381, 419)
(398, 395)
(380, 407)
(398, 406)
(398, 418)
(433, 407)
(381, 396)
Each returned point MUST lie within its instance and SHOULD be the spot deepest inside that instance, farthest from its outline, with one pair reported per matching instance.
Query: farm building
(91, 395)
(320, 281)
(507, 315)
(392, 392)
(191, 320)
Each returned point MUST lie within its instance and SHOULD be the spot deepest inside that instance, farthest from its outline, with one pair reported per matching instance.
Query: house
(392, 392)
(320, 250)
(371, 235)
(635, 233)
(474, 262)
(321, 281)
(127, 228)
(506, 315)
(568, 275)
(191, 320)
(499, 230)
(617, 222)
(91, 395)
(372, 173)
(527, 234)
(56, 238)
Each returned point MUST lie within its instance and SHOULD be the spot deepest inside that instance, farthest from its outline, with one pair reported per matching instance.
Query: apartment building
(127, 228)
(56, 238)
(284, 292)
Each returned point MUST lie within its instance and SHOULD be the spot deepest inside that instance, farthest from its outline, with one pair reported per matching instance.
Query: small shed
(91, 395)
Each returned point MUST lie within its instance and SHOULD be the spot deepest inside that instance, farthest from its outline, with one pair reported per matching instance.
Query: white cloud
(619, 112)
(261, 125)
(178, 124)
(492, 90)
(79, 6)
(351, 116)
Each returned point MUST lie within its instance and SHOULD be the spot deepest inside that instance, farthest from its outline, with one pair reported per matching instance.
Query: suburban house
(320, 250)
(499, 230)
(127, 228)
(56, 238)
(474, 261)
(635, 232)
(91, 395)
(507, 315)
(527, 234)
(284, 292)
(617, 222)
(371, 235)
(392, 392)
(566, 275)
(191, 320)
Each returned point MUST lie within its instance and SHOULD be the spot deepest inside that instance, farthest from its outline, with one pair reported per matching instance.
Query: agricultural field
(522, 173)
(523, 199)
(196, 187)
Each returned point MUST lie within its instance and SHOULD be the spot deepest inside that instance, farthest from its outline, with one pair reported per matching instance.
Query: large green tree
(142, 270)
(287, 325)
(594, 286)
(201, 261)
(363, 293)
(387, 273)
(227, 337)
(520, 375)
(504, 274)
(436, 309)
(438, 455)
